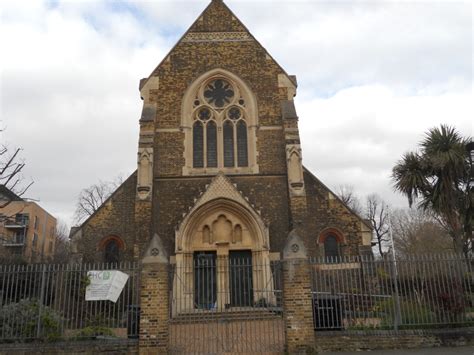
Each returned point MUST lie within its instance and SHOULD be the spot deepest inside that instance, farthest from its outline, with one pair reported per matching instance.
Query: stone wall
(174, 197)
(245, 58)
(92, 347)
(360, 341)
(116, 217)
(325, 210)
(174, 194)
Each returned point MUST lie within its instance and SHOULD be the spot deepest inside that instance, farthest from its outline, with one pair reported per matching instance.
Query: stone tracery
(219, 121)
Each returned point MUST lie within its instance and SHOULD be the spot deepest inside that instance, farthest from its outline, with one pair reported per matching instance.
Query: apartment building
(27, 231)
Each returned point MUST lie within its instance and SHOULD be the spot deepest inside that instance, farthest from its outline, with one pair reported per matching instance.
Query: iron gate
(225, 304)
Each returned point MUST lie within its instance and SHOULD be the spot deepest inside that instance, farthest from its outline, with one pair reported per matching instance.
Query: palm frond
(409, 176)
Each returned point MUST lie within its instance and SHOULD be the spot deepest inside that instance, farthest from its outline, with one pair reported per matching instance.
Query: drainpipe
(44, 235)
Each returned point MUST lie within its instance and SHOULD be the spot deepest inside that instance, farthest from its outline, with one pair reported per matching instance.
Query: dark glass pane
(228, 145)
(241, 278)
(111, 252)
(234, 113)
(219, 93)
(211, 145)
(331, 248)
(205, 279)
(198, 146)
(204, 114)
(242, 156)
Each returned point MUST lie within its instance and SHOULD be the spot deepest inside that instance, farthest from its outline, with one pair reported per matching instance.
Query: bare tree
(11, 173)
(349, 198)
(418, 231)
(61, 250)
(92, 197)
(377, 212)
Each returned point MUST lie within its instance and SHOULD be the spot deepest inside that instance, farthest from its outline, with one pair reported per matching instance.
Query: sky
(373, 77)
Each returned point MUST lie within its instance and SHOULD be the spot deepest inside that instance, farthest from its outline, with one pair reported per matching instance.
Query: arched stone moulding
(251, 117)
(220, 218)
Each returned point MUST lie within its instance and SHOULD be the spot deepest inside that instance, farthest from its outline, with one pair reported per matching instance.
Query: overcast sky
(373, 77)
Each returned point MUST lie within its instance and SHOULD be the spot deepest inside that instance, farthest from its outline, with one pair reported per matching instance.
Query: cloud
(357, 136)
(373, 76)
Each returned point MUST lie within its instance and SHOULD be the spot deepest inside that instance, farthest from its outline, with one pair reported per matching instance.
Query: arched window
(211, 144)
(331, 240)
(111, 247)
(198, 146)
(331, 248)
(228, 144)
(242, 153)
(112, 252)
(220, 126)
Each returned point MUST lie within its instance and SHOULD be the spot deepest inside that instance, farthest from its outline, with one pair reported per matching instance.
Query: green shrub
(19, 321)
(93, 332)
(411, 313)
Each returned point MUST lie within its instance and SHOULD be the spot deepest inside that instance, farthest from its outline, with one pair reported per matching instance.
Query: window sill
(214, 171)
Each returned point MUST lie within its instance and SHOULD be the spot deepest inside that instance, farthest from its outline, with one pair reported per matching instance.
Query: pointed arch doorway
(222, 260)
(226, 292)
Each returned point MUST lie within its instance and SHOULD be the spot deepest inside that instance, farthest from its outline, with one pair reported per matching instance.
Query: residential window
(35, 240)
(21, 219)
(36, 223)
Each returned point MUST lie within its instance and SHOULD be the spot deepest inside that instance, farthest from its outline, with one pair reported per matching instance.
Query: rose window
(219, 93)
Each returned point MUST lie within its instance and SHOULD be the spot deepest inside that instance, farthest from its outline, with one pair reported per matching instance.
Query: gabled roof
(217, 17)
(221, 187)
(363, 220)
(8, 195)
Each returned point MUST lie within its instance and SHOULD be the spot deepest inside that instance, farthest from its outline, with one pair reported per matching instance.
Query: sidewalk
(462, 350)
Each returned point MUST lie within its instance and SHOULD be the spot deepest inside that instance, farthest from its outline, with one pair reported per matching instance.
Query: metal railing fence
(411, 292)
(226, 303)
(46, 302)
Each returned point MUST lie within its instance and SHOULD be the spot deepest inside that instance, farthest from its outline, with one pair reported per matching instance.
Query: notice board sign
(105, 285)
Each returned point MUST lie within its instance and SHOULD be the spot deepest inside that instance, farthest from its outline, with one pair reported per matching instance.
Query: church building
(219, 163)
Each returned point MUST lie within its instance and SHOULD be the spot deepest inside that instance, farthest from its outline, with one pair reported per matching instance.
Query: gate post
(297, 297)
(154, 293)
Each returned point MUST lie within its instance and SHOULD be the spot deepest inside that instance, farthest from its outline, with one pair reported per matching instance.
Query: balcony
(20, 221)
(13, 241)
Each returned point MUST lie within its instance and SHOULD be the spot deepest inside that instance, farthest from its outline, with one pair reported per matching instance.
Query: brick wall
(92, 347)
(115, 217)
(360, 341)
(154, 327)
(297, 305)
(173, 197)
(246, 59)
(173, 194)
(323, 213)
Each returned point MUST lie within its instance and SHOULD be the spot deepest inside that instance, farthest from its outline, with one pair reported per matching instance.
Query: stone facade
(115, 218)
(166, 186)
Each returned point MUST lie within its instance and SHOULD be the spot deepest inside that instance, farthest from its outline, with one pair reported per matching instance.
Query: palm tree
(438, 178)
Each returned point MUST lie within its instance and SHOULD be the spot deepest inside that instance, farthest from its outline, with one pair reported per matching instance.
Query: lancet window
(219, 126)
